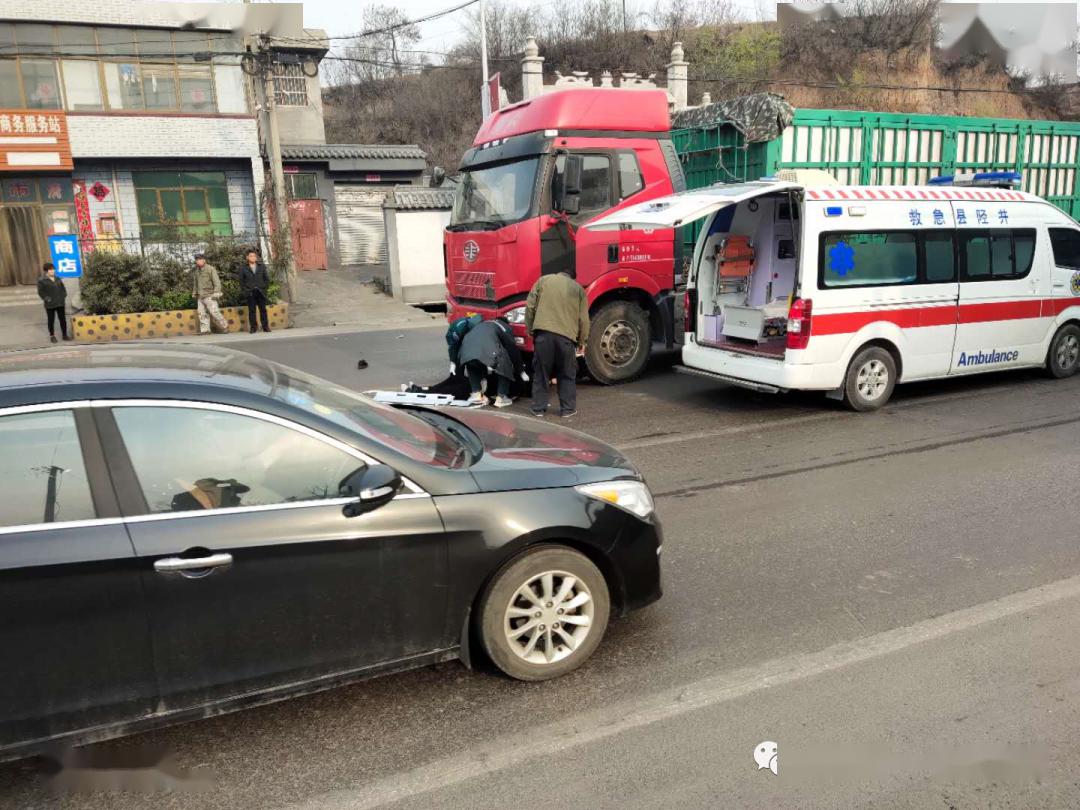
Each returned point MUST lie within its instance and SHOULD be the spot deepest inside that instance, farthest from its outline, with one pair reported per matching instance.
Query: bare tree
(382, 53)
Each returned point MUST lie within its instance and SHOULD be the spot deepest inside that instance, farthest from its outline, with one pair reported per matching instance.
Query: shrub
(116, 283)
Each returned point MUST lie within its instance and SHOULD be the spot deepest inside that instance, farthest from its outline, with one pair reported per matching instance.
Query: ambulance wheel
(870, 379)
(1063, 359)
(620, 341)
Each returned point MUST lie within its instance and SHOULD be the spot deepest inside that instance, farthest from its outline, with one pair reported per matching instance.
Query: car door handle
(1059, 285)
(176, 565)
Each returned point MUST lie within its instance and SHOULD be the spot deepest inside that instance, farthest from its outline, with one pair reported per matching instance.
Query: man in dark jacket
(455, 333)
(254, 282)
(53, 294)
(490, 347)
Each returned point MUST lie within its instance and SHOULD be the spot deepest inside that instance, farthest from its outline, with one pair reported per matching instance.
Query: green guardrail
(869, 148)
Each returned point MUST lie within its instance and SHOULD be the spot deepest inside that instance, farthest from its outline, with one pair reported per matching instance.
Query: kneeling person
(489, 347)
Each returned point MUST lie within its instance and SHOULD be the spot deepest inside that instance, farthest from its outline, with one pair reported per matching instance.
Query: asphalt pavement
(891, 598)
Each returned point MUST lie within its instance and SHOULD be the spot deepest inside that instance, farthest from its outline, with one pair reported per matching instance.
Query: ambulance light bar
(990, 179)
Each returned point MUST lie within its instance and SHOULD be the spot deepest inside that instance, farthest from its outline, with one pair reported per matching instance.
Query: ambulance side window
(940, 257)
(1066, 244)
(997, 255)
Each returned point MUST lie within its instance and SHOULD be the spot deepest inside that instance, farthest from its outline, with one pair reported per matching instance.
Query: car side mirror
(373, 487)
(569, 196)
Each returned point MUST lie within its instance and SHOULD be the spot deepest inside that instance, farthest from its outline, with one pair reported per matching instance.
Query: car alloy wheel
(549, 617)
(872, 379)
(544, 613)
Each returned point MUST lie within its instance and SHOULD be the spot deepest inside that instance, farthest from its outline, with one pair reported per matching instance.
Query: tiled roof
(352, 151)
(418, 198)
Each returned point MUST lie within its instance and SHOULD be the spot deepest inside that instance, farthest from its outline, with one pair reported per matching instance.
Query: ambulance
(850, 290)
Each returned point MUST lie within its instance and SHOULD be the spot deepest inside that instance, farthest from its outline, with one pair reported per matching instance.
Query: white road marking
(623, 717)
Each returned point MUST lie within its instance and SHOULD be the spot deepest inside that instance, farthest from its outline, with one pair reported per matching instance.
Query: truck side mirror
(575, 164)
(568, 199)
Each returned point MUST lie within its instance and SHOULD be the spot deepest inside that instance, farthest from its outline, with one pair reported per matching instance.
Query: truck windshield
(495, 195)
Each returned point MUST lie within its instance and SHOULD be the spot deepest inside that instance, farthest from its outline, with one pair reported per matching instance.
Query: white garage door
(361, 229)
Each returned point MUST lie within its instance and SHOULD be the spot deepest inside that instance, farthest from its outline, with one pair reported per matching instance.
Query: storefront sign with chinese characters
(34, 139)
(64, 251)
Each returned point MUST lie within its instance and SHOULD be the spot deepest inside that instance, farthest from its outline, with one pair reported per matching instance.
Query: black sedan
(188, 530)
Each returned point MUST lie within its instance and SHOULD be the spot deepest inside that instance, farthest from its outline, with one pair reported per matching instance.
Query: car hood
(522, 453)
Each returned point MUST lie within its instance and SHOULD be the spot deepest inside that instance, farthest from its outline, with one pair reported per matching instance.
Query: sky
(346, 16)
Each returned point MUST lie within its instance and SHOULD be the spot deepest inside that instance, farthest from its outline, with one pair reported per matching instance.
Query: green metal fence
(868, 148)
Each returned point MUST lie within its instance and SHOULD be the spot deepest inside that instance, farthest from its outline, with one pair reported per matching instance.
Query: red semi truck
(538, 171)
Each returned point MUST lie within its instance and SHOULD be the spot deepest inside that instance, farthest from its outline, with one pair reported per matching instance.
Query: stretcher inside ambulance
(852, 289)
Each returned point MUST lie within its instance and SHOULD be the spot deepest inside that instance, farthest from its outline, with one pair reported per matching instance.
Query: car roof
(133, 365)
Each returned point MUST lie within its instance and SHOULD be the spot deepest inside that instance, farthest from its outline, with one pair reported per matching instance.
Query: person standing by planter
(53, 294)
(207, 290)
(254, 283)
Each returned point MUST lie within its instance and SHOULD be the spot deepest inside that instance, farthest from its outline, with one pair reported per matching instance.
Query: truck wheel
(620, 342)
(544, 614)
(870, 379)
(1063, 359)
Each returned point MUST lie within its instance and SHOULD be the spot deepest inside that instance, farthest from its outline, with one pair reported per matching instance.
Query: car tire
(1063, 359)
(870, 379)
(620, 342)
(510, 629)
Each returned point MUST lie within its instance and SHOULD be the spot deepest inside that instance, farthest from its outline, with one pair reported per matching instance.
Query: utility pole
(264, 89)
(485, 95)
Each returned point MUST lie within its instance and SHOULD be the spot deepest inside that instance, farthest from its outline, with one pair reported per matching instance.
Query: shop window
(182, 203)
(35, 39)
(40, 85)
(196, 89)
(82, 85)
(302, 186)
(123, 83)
(10, 92)
(159, 87)
(290, 85)
(116, 42)
(77, 40)
(20, 190)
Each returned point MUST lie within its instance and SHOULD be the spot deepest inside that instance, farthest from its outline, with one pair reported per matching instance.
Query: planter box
(173, 323)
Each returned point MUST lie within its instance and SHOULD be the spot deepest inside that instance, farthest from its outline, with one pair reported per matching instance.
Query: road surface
(891, 598)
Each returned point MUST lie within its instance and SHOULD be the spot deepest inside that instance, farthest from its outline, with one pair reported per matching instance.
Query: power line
(385, 30)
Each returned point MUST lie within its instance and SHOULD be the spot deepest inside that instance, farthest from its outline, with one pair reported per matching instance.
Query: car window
(192, 459)
(630, 181)
(864, 259)
(42, 475)
(1066, 244)
(595, 182)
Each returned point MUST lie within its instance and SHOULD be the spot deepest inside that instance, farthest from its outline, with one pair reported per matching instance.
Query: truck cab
(538, 172)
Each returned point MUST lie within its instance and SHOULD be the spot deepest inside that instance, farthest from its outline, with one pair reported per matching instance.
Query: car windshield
(412, 437)
(495, 195)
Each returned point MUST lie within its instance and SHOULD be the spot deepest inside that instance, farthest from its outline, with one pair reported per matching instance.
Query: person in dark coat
(254, 282)
(489, 348)
(54, 295)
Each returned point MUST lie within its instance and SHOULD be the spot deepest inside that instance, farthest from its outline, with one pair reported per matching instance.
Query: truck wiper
(478, 224)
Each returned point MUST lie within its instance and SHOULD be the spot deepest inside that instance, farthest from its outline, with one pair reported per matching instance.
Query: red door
(308, 234)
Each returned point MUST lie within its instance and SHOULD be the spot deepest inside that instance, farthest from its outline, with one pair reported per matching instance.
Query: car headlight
(633, 496)
(515, 315)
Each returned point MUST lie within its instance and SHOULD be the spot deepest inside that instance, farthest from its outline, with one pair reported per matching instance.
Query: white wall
(415, 240)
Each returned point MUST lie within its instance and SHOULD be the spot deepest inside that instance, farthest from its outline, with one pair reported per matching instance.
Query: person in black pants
(254, 282)
(54, 295)
(557, 317)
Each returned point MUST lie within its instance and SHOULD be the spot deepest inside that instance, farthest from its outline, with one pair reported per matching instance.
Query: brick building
(154, 123)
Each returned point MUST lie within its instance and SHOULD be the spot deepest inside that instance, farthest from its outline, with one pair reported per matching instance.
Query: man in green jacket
(557, 319)
(207, 290)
